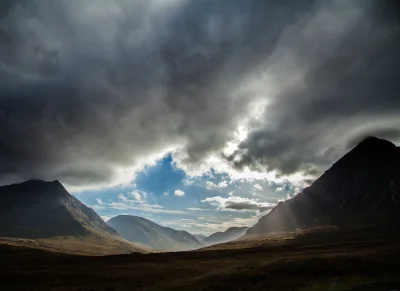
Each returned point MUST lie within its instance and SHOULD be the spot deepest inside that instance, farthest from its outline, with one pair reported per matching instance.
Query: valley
(340, 233)
(321, 259)
(200, 145)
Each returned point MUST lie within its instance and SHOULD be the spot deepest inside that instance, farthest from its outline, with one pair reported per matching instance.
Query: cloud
(197, 209)
(105, 218)
(235, 203)
(179, 193)
(99, 201)
(327, 95)
(122, 197)
(212, 186)
(90, 96)
(125, 203)
(166, 193)
(136, 195)
(258, 187)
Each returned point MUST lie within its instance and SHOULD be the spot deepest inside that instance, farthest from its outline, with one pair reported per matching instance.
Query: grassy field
(86, 246)
(322, 259)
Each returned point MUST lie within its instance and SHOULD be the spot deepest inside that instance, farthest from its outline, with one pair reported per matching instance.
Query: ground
(321, 259)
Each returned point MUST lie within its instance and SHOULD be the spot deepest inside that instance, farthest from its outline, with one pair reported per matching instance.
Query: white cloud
(143, 207)
(135, 194)
(197, 209)
(235, 203)
(99, 201)
(105, 218)
(188, 181)
(179, 193)
(211, 186)
(122, 197)
(258, 187)
(125, 203)
(166, 193)
(98, 207)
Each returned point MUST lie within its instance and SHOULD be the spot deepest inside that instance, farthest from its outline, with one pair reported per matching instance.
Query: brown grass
(315, 260)
(89, 246)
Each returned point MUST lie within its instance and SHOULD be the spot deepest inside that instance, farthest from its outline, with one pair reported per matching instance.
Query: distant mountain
(200, 237)
(230, 234)
(140, 230)
(38, 209)
(362, 188)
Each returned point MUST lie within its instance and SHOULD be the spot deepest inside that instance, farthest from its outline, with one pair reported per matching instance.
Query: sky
(197, 114)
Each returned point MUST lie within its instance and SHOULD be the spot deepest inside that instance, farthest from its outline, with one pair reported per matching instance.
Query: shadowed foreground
(324, 259)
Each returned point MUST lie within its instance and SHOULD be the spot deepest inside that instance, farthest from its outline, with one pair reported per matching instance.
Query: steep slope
(140, 230)
(36, 209)
(363, 187)
(231, 233)
(44, 210)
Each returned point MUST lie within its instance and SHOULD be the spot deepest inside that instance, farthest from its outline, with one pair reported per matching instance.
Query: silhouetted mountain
(363, 187)
(231, 233)
(39, 209)
(140, 230)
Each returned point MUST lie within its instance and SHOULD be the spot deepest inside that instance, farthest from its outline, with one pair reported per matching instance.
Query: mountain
(200, 237)
(362, 188)
(45, 210)
(230, 234)
(143, 231)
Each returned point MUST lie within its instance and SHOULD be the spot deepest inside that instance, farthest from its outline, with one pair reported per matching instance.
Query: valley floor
(327, 259)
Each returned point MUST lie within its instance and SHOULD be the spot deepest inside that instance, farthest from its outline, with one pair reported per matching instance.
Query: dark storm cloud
(247, 206)
(90, 87)
(235, 203)
(349, 88)
(385, 133)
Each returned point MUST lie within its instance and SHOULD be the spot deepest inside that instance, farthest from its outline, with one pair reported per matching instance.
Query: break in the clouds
(91, 91)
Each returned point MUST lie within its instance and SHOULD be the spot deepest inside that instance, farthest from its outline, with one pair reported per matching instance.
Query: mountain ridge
(363, 180)
(144, 231)
(38, 208)
(229, 234)
(43, 214)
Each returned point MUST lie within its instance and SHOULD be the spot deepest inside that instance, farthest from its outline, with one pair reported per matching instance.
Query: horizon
(177, 223)
(196, 115)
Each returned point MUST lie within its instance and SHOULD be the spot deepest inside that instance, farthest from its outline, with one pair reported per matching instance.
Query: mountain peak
(36, 189)
(362, 182)
(374, 143)
(38, 208)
